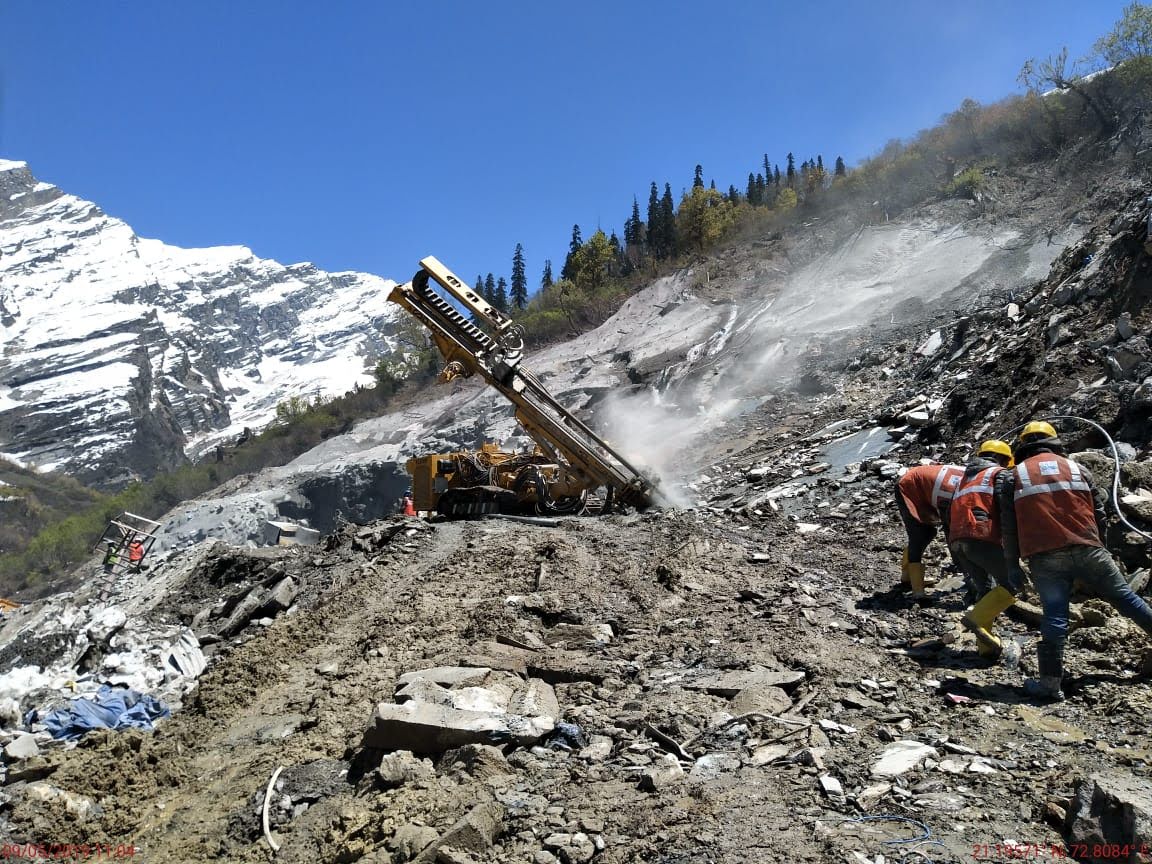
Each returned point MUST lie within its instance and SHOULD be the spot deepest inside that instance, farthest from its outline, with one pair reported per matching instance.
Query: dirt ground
(686, 594)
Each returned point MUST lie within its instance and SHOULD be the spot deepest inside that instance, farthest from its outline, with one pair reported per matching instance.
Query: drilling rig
(572, 469)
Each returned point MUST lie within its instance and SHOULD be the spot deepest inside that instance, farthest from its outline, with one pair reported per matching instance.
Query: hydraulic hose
(1115, 459)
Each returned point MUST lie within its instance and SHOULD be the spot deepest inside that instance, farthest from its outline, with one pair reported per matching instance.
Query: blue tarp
(111, 708)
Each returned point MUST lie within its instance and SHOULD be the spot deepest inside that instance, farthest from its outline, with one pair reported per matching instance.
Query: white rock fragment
(831, 786)
(900, 757)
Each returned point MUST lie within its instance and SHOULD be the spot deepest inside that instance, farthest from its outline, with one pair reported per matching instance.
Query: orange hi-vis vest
(925, 487)
(1054, 506)
(973, 514)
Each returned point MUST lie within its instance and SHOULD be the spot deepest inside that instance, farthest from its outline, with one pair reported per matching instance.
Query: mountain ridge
(122, 355)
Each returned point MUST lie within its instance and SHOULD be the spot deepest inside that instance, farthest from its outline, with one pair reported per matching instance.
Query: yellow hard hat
(1038, 429)
(995, 447)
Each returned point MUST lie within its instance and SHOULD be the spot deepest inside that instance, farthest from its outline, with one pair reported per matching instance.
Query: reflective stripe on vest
(1054, 506)
(973, 515)
(925, 487)
(1048, 467)
(945, 487)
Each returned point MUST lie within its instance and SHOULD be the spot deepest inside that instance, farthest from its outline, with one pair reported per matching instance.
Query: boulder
(79, 806)
(566, 667)
(402, 767)
(728, 684)
(1137, 474)
(243, 612)
(278, 598)
(1101, 466)
(494, 655)
(537, 699)
(579, 634)
(764, 699)
(667, 772)
(475, 832)
(479, 761)
(426, 728)
(1138, 504)
(21, 747)
(1109, 810)
(447, 676)
(410, 839)
(900, 757)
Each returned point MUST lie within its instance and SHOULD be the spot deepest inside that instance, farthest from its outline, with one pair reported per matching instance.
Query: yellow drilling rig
(572, 470)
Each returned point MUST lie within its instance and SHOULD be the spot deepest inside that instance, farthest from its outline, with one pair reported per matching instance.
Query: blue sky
(364, 135)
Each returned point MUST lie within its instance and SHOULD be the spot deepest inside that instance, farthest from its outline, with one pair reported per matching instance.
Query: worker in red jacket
(407, 506)
(975, 542)
(1052, 518)
(923, 494)
(136, 553)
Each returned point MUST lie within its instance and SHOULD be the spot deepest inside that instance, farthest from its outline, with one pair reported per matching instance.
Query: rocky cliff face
(120, 355)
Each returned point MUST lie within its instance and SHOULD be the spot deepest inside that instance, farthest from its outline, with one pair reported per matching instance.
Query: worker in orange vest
(1052, 518)
(923, 494)
(975, 542)
(408, 508)
(135, 553)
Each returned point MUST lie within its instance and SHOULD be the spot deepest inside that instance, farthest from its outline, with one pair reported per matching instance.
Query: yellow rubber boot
(905, 581)
(978, 620)
(916, 581)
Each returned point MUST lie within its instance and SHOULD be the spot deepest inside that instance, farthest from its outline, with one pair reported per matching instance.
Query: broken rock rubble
(449, 707)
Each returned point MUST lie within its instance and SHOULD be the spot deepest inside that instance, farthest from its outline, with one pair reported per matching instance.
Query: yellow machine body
(571, 463)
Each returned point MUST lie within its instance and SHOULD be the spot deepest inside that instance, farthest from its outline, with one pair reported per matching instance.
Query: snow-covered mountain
(119, 355)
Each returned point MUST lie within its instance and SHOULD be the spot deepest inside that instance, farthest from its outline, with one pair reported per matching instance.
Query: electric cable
(1115, 459)
(926, 838)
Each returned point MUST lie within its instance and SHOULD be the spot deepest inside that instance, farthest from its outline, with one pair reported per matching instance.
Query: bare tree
(1053, 72)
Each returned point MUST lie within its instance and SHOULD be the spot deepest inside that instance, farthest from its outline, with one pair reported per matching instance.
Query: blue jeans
(1054, 572)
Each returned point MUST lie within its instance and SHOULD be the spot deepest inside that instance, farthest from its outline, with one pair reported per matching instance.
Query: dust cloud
(756, 348)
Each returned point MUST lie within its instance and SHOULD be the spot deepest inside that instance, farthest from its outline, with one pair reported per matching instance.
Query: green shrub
(966, 184)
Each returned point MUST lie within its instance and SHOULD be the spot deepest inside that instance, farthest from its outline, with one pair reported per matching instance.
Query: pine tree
(573, 248)
(501, 295)
(767, 168)
(840, 170)
(712, 185)
(620, 266)
(761, 190)
(519, 293)
(776, 177)
(634, 228)
(546, 278)
(653, 238)
(733, 195)
(490, 289)
(751, 192)
(698, 179)
(791, 173)
(668, 222)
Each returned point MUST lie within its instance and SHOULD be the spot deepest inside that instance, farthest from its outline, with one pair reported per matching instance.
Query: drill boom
(469, 350)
